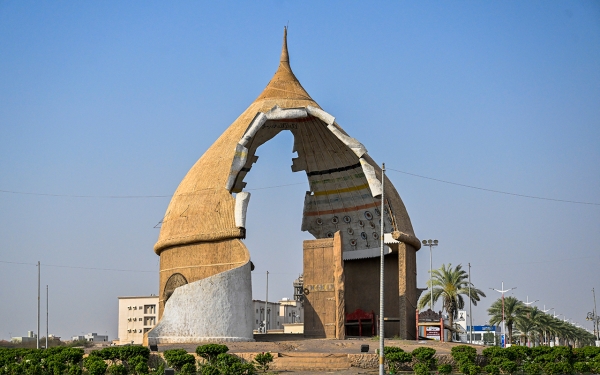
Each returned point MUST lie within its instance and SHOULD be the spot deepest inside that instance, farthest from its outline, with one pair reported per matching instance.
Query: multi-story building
(137, 315)
(286, 311)
(91, 337)
(31, 337)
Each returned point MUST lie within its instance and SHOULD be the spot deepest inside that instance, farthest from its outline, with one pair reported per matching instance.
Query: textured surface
(215, 308)
(202, 227)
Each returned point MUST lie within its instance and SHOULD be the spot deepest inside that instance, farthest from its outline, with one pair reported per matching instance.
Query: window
(257, 311)
(149, 309)
(256, 321)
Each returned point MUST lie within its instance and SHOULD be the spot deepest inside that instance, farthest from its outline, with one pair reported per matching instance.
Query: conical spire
(284, 84)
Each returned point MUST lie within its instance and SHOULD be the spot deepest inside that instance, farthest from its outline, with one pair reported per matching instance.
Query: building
(279, 314)
(205, 267)
(31, 337)
(137, 315)
(91, 337)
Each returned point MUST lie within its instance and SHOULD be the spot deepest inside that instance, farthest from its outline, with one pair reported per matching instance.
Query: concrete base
(217, 308)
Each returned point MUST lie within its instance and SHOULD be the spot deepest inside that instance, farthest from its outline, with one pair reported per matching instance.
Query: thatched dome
(343, 193)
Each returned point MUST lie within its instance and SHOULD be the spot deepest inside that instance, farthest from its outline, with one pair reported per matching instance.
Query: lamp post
(529, 303)
(593, 316)
(503, 323)
(430, 243)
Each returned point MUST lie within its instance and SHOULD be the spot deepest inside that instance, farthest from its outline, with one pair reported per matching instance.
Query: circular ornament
(306, 291)
(350, 231)
(329, 234)
(368, 215)
(335, 220)
(361, 224)
(376, 235)
(377, 212)
(353, 242)
(347, 219)
(372, 225)
(363, 235)
(319, 221)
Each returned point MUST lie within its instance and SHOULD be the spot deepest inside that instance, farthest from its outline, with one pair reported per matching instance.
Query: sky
(104, 107)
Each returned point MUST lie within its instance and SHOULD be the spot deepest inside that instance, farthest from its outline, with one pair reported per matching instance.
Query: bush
(425, 355)
(177, 358)
(95, 365)
(517, 353)
(263, 360)
(557, 368)
(464, 354)
(188, 369)
(232, 365)
(563, 354)
(421, 369)
(581, 367)
(396, 359)
(532, 369)
(508, 367)
(211, 351)
(117, 370)
(209, 370)
(444, 369)
(492, 370)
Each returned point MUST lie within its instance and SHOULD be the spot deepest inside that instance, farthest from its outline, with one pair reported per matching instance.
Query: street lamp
(593, 316)
(430, 243)
(529, 303)
(503, 323)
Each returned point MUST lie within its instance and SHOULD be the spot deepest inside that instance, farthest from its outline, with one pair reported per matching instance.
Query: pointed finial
(284, 50)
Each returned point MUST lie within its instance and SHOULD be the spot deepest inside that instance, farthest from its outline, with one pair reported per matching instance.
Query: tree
(451, 284)
(513, 309)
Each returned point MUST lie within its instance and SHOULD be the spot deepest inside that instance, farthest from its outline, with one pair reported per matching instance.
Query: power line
(76, 267)
(302, 183)
(495, 191)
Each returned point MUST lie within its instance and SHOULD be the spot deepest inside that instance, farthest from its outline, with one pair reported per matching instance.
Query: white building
(137, 315)
(31, 337)
(281, 313)
(91, 337)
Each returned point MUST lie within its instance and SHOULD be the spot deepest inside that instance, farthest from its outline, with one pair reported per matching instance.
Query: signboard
(432, 332)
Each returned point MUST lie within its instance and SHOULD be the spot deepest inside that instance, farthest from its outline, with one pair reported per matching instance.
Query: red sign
(432, 332)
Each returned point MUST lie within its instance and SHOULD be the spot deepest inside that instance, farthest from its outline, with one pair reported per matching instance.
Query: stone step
(311, 361)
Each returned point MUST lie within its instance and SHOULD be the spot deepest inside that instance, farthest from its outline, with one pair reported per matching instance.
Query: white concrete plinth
(218, 308)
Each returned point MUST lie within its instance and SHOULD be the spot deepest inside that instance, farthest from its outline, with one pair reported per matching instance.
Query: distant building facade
(91, 337)
(31, 337)
(279, 314)
(137, 315)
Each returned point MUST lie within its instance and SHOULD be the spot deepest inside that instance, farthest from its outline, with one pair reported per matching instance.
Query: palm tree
(451, 284)
(530, 323)
(513, 309)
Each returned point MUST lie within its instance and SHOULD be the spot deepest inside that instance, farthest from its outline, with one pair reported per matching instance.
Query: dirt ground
(277, 343)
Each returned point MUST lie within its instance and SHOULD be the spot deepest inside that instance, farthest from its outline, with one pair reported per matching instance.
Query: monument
(205, 284)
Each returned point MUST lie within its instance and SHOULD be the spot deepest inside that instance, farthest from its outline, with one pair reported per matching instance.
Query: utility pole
(430, 243)
(267, 302)
(503, 322)
(46, 317)
(470, 313)
(38, 312)
(381, 283)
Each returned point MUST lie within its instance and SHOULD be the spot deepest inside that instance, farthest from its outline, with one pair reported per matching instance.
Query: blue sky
(121, 98)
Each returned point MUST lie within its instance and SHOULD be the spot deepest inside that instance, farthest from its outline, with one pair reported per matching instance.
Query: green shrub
(211, 351)
(464, 354)
(444, 369)
(557, 368)
(138, 365)
(209, 370)
(95, 365)
(421, 369)
(563, 354)
(508, 367)
(581, 367)
(264, 361)
(117, 370)
(232, 365)
(493, 352)
(532, 369)
(425, 355)
(74, 370)
(517, 353)
(492, 370)
(177, 358)
(395, 359)
(188, 369)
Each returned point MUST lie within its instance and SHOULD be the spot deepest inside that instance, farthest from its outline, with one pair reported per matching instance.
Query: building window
(149, 309)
